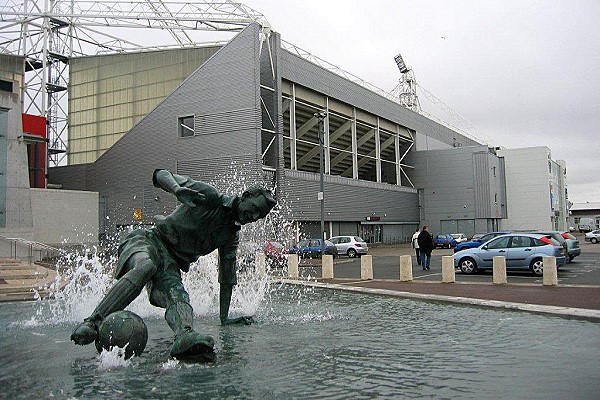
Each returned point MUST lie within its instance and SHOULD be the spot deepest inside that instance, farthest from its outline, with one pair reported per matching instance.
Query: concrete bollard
(327, 266)
(292, 261)
(261, 263)
(499, 268)
(366, 267)
(550, 277)
(406, 269)
(448, 274)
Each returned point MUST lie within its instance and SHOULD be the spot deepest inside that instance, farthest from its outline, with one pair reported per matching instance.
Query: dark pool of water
(320, 344)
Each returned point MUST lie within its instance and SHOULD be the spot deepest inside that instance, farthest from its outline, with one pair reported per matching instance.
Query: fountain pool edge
(565, 312)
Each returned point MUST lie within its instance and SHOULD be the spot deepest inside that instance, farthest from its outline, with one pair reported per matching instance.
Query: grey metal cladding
(482, 184)
(345, 202)
(225, 122)
(303, 72)
(224, 172)
(73, 177)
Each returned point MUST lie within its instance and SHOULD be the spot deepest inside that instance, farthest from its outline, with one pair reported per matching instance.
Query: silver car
(593, 236)
(571, 244)
(573, 249)
(522, 251)
(350, 245)
(459, 237)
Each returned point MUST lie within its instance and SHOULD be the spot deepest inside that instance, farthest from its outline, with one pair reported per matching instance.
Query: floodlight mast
(407, 86)
(47, 33)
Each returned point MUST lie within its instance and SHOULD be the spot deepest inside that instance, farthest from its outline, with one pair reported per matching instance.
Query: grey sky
(523, 72)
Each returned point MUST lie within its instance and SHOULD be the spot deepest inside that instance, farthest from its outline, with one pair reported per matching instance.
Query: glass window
(500, 243)
(186, 126)
(521, 241)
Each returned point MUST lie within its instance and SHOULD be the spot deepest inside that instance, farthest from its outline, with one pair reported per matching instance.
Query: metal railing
(26, 249)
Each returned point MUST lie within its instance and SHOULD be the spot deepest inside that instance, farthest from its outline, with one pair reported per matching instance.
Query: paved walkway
(581, 301)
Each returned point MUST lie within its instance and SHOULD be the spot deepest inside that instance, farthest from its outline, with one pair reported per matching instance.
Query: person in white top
(415, 245)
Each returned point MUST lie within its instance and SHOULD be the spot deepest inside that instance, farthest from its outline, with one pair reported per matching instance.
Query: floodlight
(400, 63)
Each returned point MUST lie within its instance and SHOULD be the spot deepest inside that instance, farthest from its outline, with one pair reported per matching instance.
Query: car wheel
(467, 266)
(594, 240)
(537, 267)
(351, 253)
(571, 258)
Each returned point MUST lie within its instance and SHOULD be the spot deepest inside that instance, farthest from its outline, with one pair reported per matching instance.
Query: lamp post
(321, 117)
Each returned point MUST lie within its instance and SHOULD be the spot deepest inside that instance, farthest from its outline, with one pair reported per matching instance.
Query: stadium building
(253, 110)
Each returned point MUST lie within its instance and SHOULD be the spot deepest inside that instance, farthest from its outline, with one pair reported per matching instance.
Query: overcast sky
(524, 73)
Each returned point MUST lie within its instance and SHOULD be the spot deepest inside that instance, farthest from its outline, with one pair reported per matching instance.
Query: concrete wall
(15, 201)
(528, 183)
(65, 216)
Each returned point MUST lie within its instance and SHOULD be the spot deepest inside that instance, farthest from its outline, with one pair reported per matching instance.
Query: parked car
(477, 241)
(593, 236)
(444, 240)
(476, 236)
(275, 253)
(312, 248)
(573, 249)
(522, 251)
(459, 237)
(556, 235)
(350, 245)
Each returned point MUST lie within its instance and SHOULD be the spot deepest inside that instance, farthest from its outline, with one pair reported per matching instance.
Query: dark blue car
(312, 248)
(477, 242)
(444, 240)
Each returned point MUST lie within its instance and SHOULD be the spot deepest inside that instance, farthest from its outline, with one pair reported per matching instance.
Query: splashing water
(114, 358)
(84, 278)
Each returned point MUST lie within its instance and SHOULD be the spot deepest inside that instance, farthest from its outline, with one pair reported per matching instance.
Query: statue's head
(255, 203)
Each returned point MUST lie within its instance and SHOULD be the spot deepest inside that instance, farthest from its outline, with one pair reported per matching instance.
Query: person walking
(415, 245)
(426, 245)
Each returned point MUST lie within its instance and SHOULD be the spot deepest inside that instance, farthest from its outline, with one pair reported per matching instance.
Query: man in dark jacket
(426, 245)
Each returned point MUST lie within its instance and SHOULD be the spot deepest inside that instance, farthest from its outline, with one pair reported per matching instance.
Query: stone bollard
(292, 261)
(261, 263)
(366, 267)
(448, 274)
(406, 269)
(550, 277)
(327, 266)
(499, 268)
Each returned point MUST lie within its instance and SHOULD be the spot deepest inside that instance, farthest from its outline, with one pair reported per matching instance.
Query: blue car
(477, 242)
(522, 251)
(312, 248)
(444, 240)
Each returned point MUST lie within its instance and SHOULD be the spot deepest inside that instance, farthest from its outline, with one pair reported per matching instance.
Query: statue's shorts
(166, 285)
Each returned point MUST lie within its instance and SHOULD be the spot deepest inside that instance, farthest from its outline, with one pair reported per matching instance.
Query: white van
(586, 225)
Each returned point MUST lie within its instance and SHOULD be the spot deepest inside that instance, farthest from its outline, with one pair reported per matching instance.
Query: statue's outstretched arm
(175, 184)
(224, 302)
(227, 275)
